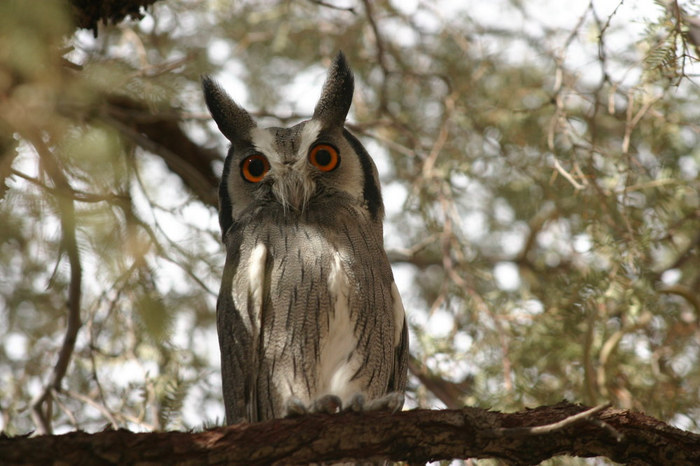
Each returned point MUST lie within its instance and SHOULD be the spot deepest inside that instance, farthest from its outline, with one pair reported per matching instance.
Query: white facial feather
(264, 142)
(309, 135)
(293, 184)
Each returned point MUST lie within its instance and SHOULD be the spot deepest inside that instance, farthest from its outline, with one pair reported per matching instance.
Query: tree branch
(164, 137)
(414, 436)
(381, 53)
(42, 404)
(450, 393)
(8, 153)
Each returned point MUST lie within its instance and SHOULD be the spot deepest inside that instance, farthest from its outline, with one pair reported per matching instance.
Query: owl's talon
(357, 403)
(295, 407)
(390, 402)
(328, 404)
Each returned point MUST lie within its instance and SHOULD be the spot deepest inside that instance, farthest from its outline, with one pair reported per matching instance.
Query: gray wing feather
(399, 377)
(236, 343)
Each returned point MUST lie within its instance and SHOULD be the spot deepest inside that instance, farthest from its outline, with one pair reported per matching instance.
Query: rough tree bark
(526, 437)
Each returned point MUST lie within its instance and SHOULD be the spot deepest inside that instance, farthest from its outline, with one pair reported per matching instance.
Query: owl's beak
(293, 190)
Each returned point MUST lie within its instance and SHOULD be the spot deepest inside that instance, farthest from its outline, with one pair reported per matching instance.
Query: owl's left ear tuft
(336, 97)
(233, 121)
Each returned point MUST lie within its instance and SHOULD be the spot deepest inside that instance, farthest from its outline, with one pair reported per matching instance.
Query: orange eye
(324, 157)
(254, 168)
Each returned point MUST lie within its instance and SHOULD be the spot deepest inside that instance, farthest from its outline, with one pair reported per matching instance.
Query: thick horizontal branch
(414, 436)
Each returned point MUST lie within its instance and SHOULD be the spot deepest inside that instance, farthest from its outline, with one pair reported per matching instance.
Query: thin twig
(349, 9)
(556, 426)
(567, 175)
(632, 121)
(79, 196)
(42, 404)
(381, 53)
(685, 292)
(441, 138)
(98, 406)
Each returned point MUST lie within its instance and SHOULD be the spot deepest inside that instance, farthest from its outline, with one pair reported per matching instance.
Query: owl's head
(308, 166)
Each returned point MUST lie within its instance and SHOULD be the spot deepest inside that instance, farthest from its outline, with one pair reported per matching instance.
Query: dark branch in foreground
(87, 13)
(526, 437)
(165, 138)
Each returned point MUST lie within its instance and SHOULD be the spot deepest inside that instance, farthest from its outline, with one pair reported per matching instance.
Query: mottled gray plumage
(308, 306)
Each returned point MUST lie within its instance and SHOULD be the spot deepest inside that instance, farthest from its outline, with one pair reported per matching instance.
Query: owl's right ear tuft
(336, 97)
(233, 121)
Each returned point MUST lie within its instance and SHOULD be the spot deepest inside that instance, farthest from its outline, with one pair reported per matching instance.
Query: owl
(308, 316)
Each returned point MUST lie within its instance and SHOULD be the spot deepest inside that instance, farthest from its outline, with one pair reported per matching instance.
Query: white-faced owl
(308, 315)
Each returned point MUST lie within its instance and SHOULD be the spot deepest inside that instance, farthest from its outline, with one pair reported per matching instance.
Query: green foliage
(567, 157)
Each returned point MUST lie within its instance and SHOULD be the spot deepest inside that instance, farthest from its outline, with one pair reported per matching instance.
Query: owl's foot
(390, 402)
(330, 404)
(327, 404)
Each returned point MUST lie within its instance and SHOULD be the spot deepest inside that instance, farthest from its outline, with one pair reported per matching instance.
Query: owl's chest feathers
(337, 365)
(308, 294)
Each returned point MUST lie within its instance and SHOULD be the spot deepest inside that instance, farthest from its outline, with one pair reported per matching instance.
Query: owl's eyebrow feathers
(263, 141)
(266, 142)
(309, 135)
